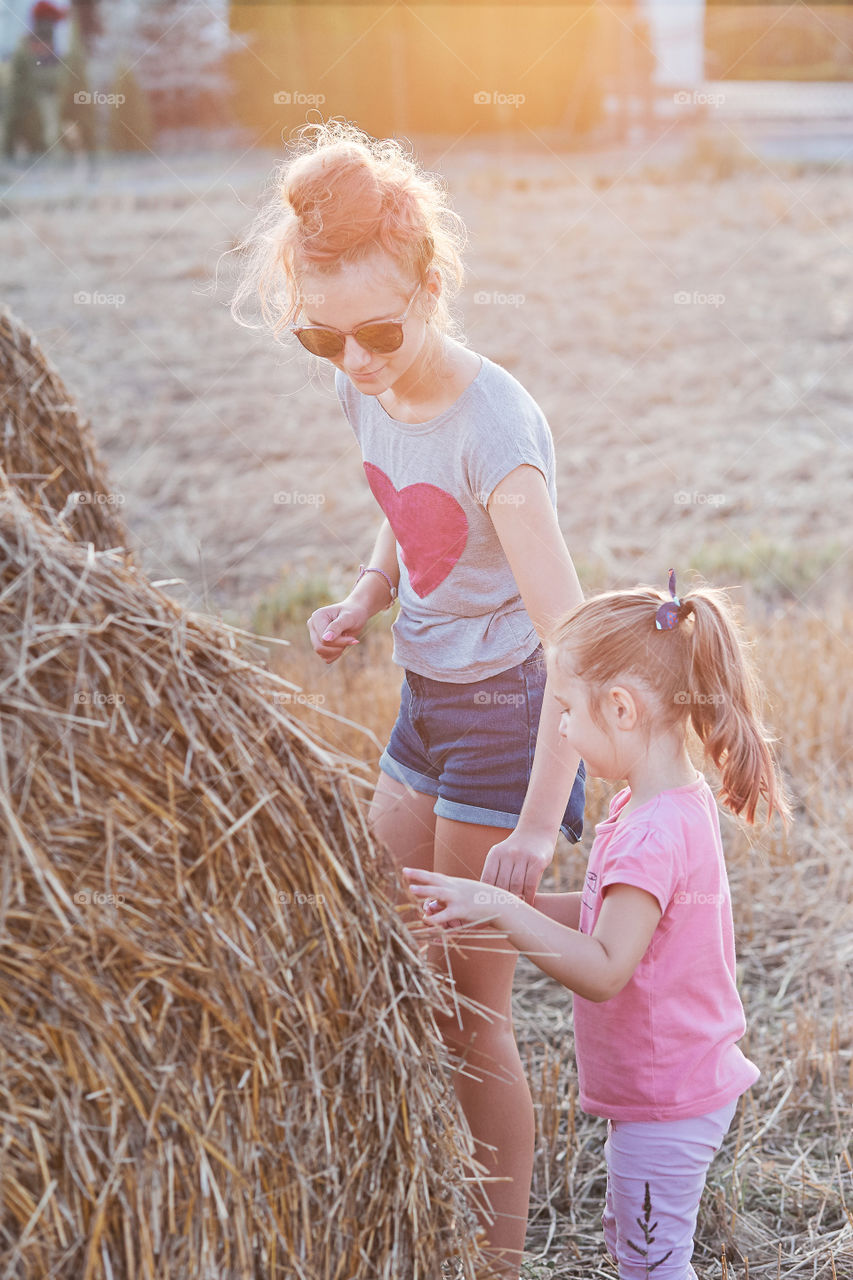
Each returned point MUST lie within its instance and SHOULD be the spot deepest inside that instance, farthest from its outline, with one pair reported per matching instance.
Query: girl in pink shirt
(647, 947)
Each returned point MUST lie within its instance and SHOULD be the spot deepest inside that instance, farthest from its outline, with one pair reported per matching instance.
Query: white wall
(678, 38)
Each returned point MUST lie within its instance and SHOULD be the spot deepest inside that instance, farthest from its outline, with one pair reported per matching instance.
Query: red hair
(699, 671)
(340, 199)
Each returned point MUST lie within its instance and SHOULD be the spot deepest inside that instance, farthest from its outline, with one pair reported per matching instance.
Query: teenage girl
(358, 254)
(647, 947)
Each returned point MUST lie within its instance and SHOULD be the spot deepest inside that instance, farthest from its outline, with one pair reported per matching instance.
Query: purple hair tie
(667, 615)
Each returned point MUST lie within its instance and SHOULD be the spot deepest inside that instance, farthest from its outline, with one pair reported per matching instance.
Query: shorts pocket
(416, 700)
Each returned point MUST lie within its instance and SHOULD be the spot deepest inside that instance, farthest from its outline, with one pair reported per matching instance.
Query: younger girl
(647, 947)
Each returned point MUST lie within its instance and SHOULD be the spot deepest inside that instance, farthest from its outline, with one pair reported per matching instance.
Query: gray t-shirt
(461, 616)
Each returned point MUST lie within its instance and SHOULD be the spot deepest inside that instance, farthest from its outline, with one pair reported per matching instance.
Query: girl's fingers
(434, 907)
(422, 890)
(421, 879)
(437, 912)
(436, 917)
(436, 904)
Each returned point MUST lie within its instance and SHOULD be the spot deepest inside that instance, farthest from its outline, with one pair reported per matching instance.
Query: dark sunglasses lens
(380, 338)
(321, 342)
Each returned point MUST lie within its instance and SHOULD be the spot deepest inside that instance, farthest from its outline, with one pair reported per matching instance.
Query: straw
(48, 451)
(218, 1049)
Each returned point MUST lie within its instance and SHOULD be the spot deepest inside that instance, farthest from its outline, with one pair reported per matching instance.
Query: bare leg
(491, 1088)
(403, 820)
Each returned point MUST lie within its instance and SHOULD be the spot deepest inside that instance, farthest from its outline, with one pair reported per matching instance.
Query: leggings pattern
(672, 1157)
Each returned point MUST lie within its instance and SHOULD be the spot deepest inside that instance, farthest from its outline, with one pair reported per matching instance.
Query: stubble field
(687, 331)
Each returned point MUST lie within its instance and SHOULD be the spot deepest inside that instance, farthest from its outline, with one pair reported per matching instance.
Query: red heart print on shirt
(428, 523)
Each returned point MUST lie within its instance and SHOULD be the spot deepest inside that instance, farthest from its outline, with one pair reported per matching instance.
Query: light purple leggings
(672, 1156)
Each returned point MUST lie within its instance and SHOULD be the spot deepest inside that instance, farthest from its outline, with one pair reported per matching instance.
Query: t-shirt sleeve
(510, 438)
(644, 858)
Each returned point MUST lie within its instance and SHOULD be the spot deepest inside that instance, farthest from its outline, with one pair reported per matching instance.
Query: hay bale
(48, 452)
(218, 1055)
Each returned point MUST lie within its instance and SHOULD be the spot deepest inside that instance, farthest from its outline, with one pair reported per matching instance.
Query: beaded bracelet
(362, 570)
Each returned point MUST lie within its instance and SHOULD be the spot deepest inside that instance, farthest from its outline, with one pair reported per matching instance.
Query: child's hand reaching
(452, 900)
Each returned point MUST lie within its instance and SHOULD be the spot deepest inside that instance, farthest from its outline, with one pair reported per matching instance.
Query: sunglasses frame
(297, 329)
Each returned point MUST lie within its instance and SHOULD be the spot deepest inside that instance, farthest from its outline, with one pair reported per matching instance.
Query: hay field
(712, 434)
(684, 430)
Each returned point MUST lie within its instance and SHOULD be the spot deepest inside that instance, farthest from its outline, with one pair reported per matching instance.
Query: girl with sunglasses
(358, 257)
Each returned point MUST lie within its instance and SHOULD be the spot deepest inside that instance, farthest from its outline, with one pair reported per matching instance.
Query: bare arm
(526, 524)
(335, 627)
(548, 583)
(562, 907)
(372, 589)
(596, 966)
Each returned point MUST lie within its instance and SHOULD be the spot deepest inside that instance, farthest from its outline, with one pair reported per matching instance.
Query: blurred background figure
(31, 110)
(658, 49)
(634, 114)
(77, 107)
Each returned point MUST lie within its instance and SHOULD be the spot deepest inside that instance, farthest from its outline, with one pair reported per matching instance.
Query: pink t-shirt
(664, 1047)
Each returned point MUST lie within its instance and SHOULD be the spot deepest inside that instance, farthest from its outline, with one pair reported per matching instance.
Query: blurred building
(425, 68)
(581, 68)
(677, 31)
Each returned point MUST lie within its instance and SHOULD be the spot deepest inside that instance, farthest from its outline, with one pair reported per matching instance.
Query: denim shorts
(471, 745)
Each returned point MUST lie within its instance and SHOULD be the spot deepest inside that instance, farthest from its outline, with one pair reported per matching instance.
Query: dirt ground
(685, 326)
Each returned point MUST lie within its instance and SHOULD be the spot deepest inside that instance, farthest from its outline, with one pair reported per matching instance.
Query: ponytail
(698, 666)
(724, 707)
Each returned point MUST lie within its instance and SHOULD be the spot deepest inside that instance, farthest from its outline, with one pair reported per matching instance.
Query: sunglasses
(380, 337)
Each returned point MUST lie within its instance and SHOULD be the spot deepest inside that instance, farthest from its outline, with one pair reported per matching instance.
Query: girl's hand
(335, 627)
(451, 900)
(516, 864)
